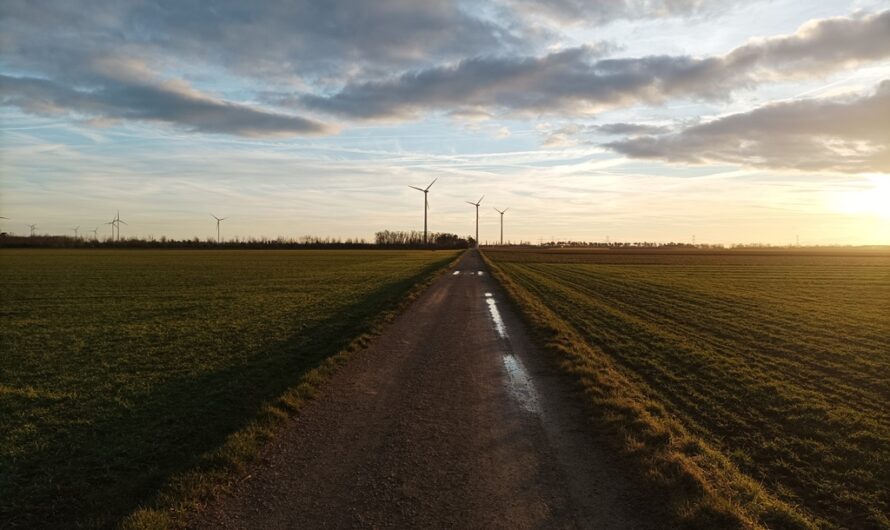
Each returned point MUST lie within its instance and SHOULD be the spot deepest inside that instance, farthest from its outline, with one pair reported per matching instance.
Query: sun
(874, 200)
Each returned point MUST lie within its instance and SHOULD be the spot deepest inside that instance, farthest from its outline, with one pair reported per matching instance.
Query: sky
(629, 120)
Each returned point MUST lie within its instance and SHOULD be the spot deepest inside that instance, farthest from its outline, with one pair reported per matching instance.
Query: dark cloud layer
(146, 102)
(381, 60)
(599, 12)
(311, 40)
(629, 128)
(819, 135)
(578, 81)
(76, 47)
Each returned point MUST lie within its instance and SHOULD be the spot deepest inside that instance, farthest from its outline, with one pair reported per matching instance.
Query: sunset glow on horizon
(733, 122)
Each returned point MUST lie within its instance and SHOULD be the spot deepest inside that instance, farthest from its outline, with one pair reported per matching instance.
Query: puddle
(496, 316)
(455, 273)
(520, 385)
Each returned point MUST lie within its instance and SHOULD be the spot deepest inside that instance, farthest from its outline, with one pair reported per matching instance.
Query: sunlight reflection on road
(519, 382)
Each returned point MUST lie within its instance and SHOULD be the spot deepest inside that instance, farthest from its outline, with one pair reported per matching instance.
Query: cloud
(598, 12)
(817, 47)
(849, 135)
(574, 134)
(103, 57)
(502, 133)
(115, 60)
(281, 40)
(629, 128)
(562, 138)
(577, 81)
(561, 80)
(171, 102)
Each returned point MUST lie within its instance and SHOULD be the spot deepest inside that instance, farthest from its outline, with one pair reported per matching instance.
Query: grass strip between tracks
(186, 492)
(697, 485)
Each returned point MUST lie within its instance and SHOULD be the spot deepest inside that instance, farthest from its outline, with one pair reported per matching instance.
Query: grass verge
(698, 485)
(186, 492)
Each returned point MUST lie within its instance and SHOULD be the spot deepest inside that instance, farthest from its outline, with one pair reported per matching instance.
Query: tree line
(413, 238)
(383, 239)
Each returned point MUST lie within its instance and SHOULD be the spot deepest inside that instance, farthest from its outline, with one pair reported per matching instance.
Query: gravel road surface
(450, 419)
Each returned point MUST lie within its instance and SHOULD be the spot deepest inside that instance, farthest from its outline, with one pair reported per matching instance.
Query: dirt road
(451, 419)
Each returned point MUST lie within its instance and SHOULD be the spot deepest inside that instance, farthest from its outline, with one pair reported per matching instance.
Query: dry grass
(780, 426)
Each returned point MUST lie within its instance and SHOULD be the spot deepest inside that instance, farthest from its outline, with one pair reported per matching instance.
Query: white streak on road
(519, 384)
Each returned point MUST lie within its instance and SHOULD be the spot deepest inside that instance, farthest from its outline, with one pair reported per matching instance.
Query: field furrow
(782, 362)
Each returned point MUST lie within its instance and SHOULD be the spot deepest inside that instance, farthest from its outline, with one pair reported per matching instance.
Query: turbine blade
(472, 203)
(431, 184)
(416, 188)
(480, 199)
(505, 210)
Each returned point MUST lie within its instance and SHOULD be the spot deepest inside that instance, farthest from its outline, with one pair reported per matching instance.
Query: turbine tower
(116, 222)
(75, 229)
(426, 204)
(218, 220)
(95, 232)
(502, 212)
(33, 228)
(476, 204)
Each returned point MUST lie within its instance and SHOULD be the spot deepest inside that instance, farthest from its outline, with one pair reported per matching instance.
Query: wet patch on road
(496, 315)
(520, 386)
(519, 382)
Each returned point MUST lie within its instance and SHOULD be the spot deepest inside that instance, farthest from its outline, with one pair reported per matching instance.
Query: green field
(120, 368)
(780, 361)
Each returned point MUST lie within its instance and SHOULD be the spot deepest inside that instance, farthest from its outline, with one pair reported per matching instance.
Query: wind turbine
(95, 232)
(218, 220)
(117, 222)
(426, 204)
(502, 212)
(476, 204)
(33, 228)
(76, 228)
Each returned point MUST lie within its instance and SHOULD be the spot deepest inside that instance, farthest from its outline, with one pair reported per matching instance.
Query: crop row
(121, 368)
(783, 366)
